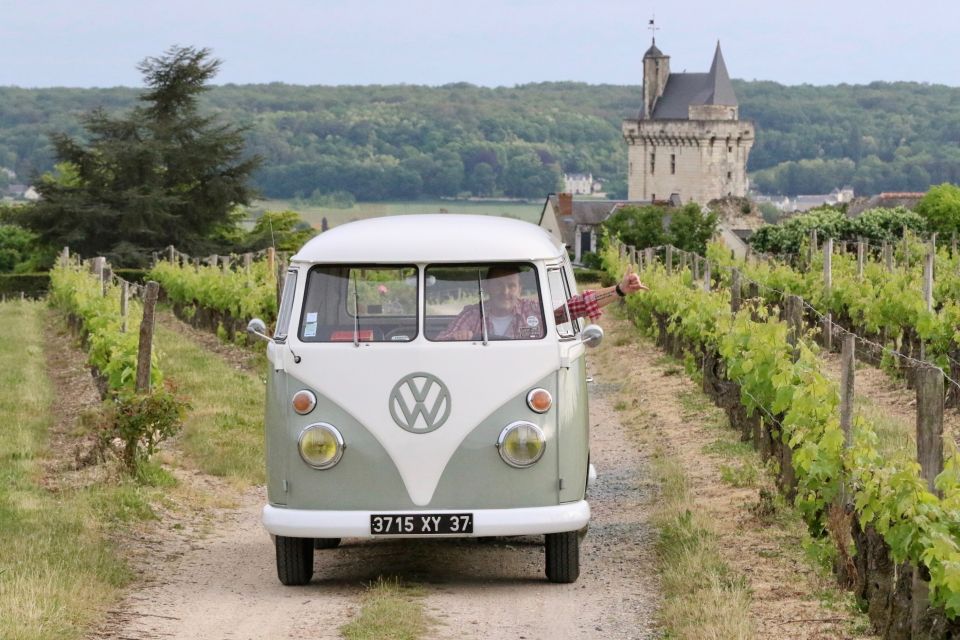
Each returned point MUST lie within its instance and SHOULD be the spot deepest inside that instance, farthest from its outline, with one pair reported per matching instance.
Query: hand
(631, 282)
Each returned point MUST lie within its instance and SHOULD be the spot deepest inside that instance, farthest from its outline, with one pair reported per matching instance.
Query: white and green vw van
(384, 419)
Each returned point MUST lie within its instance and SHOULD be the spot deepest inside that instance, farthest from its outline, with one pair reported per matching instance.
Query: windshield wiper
(483, 313)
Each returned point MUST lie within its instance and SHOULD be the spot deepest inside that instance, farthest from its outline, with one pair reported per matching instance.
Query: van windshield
(498, 301)
(360, 303)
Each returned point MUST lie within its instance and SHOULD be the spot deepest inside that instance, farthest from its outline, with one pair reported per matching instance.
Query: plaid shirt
(527, 321)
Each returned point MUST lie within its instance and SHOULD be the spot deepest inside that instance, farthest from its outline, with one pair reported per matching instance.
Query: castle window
(631, 168)
(729, 149)
(653, 162)
(673, 163)
(729, 175)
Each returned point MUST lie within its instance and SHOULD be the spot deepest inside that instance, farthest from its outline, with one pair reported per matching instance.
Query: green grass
(391, 610)
(58, 569)
(740, 475)
(223, 430)
(894, 437)
(729, 448)
(361, 210)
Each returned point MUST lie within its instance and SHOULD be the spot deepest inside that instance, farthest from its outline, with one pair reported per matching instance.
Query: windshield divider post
(356, 310)
(483, 313)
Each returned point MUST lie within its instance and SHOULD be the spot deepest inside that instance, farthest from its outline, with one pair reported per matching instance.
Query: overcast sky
(98, 43)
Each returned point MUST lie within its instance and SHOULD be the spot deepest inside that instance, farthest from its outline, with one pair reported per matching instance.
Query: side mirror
(592, 335)
(258, 329)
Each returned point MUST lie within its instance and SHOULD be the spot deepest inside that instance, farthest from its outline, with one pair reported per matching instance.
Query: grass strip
(702, 596)
(223, 430)
(390, 610)
(58, 568)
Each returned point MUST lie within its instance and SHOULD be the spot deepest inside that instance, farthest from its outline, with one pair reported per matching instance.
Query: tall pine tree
(163, 174)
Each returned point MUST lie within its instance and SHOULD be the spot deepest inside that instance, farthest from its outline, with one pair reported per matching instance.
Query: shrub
(141, 422)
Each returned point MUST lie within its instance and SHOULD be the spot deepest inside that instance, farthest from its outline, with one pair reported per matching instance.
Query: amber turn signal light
(539, 400)
(304, 401)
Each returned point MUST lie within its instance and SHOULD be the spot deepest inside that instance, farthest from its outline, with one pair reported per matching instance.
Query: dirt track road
(223, 585)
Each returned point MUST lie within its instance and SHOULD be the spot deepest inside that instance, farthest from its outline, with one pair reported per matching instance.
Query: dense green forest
(402, 141)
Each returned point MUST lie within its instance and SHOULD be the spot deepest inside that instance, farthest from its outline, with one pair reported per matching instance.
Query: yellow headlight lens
(321, 445)
(521, 444)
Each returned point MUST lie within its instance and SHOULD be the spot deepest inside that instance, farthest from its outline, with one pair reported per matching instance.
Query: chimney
(565, 203)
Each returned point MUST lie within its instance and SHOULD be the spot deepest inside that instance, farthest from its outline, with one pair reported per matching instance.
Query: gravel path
(217, 579)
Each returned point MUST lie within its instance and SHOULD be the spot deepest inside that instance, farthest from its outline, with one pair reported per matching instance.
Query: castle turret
(688, 140)
(656, 70)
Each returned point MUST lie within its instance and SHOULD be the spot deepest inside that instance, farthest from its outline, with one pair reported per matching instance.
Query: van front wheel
(563, 556)
(294, 560)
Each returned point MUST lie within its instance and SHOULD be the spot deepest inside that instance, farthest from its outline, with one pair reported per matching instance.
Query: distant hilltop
(408, 142)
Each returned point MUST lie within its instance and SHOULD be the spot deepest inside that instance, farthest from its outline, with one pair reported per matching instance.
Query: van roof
(431, 238)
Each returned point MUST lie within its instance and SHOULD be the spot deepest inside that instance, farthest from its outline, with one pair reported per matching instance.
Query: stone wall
(701, 160)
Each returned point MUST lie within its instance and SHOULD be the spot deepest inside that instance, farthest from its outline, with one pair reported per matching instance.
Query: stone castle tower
(688, 139)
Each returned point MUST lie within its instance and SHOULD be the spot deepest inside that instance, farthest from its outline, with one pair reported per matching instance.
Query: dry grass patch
(390, 610)
(703, 596)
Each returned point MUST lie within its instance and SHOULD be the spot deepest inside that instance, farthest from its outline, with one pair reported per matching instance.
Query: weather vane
(653, 28)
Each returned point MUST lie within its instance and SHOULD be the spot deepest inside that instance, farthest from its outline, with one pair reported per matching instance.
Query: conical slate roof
(721, 89)
(653, 52)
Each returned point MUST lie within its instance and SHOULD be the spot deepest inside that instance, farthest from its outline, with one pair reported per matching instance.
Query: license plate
(421, 524)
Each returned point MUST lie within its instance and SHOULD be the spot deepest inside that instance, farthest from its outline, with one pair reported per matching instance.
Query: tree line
(404, 141)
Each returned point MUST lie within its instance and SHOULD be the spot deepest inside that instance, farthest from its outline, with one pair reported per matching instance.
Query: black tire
(294, 560)
(562, 552)
(326, 543)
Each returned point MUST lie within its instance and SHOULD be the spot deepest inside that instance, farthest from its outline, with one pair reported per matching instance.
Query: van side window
(560, 293)
(461, 299)
(286, 306)
(362, 303)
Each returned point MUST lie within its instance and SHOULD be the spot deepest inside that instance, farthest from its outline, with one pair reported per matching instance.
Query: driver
(509, 316)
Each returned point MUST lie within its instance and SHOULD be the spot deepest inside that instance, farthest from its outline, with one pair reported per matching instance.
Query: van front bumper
(304, 523)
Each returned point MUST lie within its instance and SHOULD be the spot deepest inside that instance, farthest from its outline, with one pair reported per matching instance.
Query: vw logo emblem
(420, 403)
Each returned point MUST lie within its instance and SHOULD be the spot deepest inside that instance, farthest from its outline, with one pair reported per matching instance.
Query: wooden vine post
(928, 264)
(124, 301)
(813, 248)
(827, 287)
(106, 276)
(861, 255)
(669, 259)
(146, 337)
(788, 477)
(706, 275)
(906, 247)
(648, 256)
(735, 290)
(847, 375)
(930, 405)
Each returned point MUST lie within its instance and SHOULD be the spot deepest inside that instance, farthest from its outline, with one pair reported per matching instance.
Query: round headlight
(539, 400)
(304, 401)
(321, 445)
(521, 444)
